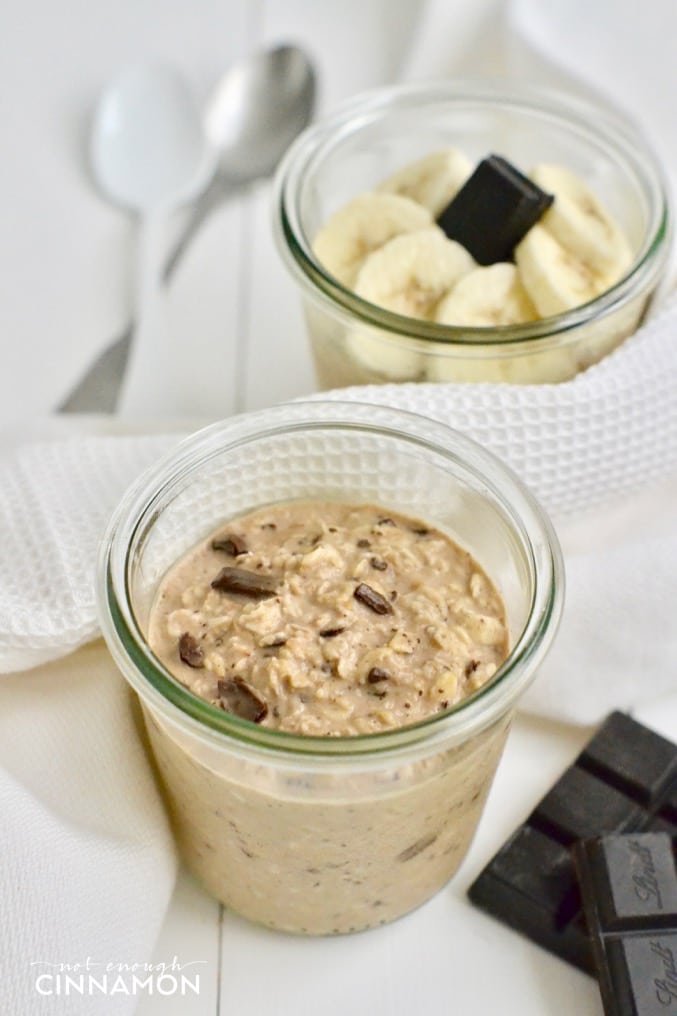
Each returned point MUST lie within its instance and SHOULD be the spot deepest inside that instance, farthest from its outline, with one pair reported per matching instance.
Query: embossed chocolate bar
(624, 780)
(629, 889)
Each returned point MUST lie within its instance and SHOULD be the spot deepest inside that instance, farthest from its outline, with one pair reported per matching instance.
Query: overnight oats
(336, 620)
(469, 232)
(328, 613)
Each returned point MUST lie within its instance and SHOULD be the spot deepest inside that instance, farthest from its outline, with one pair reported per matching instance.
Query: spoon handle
(152, 382)
(210, 199)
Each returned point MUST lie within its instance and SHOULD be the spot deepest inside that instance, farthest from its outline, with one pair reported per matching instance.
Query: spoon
(256, 110)
(149, 154)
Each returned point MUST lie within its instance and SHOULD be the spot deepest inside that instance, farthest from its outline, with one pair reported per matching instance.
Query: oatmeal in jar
(328, 618)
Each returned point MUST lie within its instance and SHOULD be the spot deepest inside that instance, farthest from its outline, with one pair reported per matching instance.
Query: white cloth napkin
(87, 859)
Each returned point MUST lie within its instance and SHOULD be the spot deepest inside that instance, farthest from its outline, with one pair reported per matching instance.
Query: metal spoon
(256, 110)
(149, 154)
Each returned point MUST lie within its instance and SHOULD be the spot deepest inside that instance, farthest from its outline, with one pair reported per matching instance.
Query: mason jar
(317, 834)
(355, 342)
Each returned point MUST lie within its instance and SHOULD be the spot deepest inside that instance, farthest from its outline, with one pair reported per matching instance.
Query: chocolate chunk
(378, 563)
(420, 531)
(370, 598)
(377, 674)
(632, 758)
(330, 633)
(239, 698)
(190, 650)
(580, 804)
(629, 888)
(622, 782)
(493, 210)
(531, 886)
(385, 520)
(363, 543)
(230, 543)
(417, 848)
(246, 583)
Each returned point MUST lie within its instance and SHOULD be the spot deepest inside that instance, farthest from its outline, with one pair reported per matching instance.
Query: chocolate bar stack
(590, 874)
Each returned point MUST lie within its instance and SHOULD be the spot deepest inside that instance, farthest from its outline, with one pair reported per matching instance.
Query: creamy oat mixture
(329, 619)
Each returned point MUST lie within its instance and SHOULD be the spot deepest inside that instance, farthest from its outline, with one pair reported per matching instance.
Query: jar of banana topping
(469, 231)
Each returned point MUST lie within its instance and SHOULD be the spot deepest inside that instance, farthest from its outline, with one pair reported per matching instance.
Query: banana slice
(410, 274)
(384, 355)
(555, 279)
(531, 368)
(431, 181)
(486, 297)
(364, 224)
(581, 224)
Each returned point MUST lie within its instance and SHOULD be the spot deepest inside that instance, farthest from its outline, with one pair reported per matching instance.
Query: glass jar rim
(155, 683)
(296, 249)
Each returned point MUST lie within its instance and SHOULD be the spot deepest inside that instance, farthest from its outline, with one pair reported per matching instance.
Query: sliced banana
(364, 224)
(431, 181)
(410, 274)
(384, 354)
(579, 221)
(530, 368)
(555, 279)
(487, 297)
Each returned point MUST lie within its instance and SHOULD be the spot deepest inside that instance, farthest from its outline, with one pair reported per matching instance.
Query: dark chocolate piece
(624, 781)
(580, 804)
(493, 210)
(190, 650)
(377, 674)
(230, 543)
(239, 698)
(370, 598)
(417, 848)
(378, 563)
(330, 633)
(246, 583)
(629, 889)
(632, 758)
(363, 543)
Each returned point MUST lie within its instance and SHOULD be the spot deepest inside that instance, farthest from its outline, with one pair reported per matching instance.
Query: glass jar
(356, 342)
(327, 834)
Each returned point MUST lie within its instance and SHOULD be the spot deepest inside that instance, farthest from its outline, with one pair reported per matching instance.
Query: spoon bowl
(148, 150)
(257, 109)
